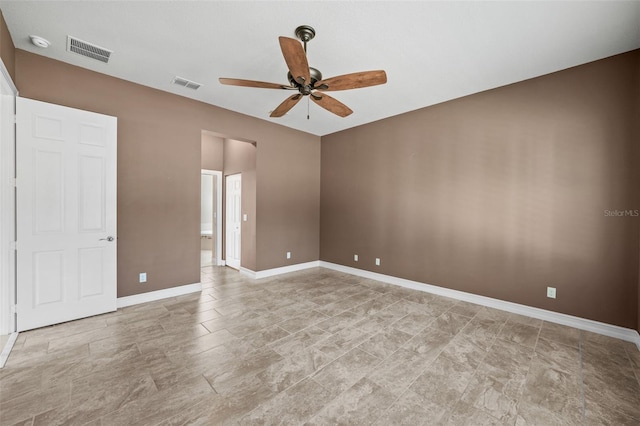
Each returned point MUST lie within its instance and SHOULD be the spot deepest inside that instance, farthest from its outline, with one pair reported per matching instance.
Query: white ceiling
(432, 51)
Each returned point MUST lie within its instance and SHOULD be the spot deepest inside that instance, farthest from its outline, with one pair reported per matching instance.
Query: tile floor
(316, 347)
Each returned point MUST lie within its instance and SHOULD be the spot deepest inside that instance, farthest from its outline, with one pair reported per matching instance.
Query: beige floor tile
(294, 369)
(398, 372)
(450, 322)
(554, 391)
(464, 350)
(523, 334)
(410, 409)
(298, 341)
(303, 321)
(385, 343)
(598, 414)
(342, 342)
(361, 404)
(161, 405)
(26, 406)
(342, 373)
(467, 415)
(560, 334)
(294, 406)
(561, 357)
(413, 323)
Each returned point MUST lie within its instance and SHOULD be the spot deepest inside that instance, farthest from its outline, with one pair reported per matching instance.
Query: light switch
(244, 217)
(143, 277)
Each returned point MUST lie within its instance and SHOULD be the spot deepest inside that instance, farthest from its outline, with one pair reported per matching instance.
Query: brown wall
(240, 157)
(212, 148)
(159, 162)
(290, 220)
(7, 49)
(500, 194)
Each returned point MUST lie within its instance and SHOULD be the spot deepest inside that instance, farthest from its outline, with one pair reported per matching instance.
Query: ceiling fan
(307, 81)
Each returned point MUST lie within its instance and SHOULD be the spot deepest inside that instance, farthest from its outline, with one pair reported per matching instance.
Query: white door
(233, 220)
(66, 214)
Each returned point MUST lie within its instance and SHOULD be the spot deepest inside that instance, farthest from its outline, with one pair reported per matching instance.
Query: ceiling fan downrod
(305, 33)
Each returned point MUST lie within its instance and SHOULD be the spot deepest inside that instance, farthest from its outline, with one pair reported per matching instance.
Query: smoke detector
(39, 41)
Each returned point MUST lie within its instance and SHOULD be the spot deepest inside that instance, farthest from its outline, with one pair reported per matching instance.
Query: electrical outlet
(288, 255)
(355, 257)
(551, 292)
(377, 261)
(143, 277)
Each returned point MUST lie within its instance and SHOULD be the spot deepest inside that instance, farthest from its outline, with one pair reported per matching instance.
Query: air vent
(87, 49)
(186, 83)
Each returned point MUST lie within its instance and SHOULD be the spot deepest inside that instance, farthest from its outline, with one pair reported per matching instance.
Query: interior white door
(233, 220)
(66, 213)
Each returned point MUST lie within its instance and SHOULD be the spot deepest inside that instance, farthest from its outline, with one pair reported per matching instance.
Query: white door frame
(218, 241)
(7, 202)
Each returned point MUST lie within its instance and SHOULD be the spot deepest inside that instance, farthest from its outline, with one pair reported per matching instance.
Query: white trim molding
(7, 349)
(8, 93)
(218, 241)
(615, 331)
(5, 73)
(248, 272)
(151, 296)
(279, 271)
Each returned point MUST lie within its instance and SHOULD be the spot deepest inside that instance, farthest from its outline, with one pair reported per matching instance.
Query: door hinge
(13, 182)
(14, 309)
(13, 245)
(15, 118)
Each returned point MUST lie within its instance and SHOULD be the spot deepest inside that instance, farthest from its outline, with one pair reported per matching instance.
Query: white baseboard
(622, 333)
(248, 272)
(158, 294)
(279, 271)
(4, 355)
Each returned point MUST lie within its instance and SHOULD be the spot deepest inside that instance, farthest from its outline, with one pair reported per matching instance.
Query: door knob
(109, 238)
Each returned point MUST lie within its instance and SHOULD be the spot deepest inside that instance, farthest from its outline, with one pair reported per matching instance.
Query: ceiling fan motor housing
(315, 75)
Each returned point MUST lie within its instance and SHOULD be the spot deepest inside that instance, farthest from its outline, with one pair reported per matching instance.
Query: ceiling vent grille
(87, 49)
(186, 83)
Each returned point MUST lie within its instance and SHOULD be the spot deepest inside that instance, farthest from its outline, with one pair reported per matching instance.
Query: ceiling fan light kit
(308, 81)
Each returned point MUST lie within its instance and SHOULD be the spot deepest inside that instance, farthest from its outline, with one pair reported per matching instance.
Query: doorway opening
(231, 241)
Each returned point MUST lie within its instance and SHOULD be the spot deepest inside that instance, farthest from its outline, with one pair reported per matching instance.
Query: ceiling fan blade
(296, 59)
(284, 107)
(355, 80)
(251, 83)
(331, 104)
